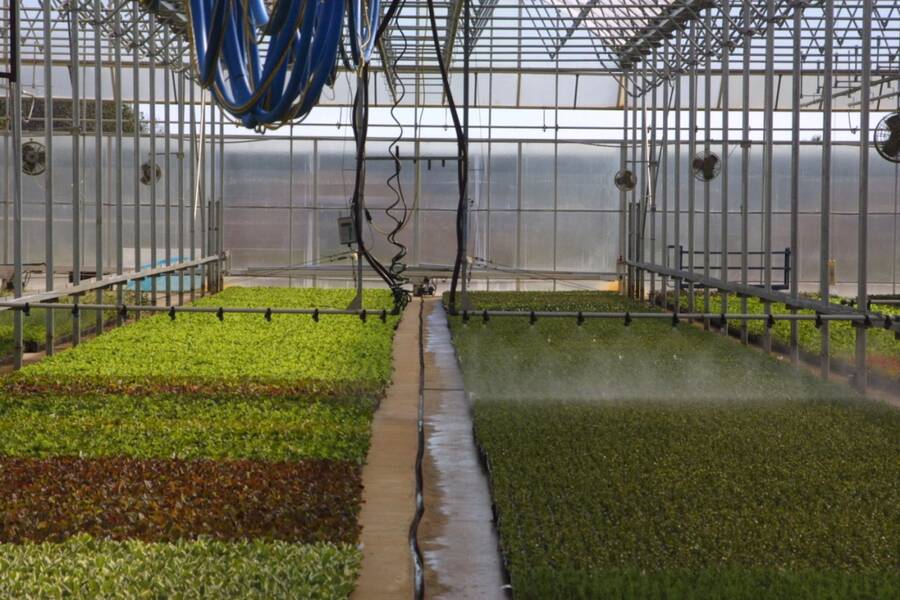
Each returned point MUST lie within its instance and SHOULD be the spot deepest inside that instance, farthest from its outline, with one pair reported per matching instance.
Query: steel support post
(624, 231)
(825, 211)
(645, 187)
(98, 160)
(153, 160)
(195, 186)
(120, 211)
(76, 164)
(796, 89)
(768, 126)
(180, 188)
(692, 151)
(167, 173)
(136, 93)
(745, 156)
(726, 75)
(220, 209)
(654, 175)
(676, 223)
(49, 284)
(15, 117)
(664, 159)
(707, 148)
(862, 264)
(464, 250)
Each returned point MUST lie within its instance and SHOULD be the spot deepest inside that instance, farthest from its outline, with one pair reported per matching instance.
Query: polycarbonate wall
(535, 206)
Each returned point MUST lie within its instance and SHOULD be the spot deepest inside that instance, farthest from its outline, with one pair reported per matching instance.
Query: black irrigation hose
(462, 163)
(418, 561)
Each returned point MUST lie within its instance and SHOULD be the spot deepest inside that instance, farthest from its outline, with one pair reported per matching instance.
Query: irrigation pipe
(873, 320)
(415, 551)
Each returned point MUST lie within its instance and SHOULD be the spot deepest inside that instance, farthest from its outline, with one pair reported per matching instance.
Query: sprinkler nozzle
(362, 315)
(383, 316)
(675, 319)
(627, 319)
(533, 318)
(27, 310)
(723, 320)
(316, 315)
(485, 317)
(221, 314)
(268, 314)
(580, 320)
(888, 322)
(465, 317)
(123, 311)
(172, 312)
(770, 321)
(819, 321)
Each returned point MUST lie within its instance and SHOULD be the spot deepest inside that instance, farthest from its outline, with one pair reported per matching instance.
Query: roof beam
(582, 15)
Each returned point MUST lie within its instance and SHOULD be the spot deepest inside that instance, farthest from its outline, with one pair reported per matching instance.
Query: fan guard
(625, 181)
(886, 137)
(34, 158)
(706, 166)
(146, 169)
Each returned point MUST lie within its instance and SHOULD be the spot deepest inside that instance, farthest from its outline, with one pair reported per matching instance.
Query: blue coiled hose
(303, 38)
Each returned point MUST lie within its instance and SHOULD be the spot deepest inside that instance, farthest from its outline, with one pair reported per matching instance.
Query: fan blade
(697, 164)
(891, 147)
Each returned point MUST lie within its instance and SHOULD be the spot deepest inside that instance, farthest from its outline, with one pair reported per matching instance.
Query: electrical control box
(346, 230)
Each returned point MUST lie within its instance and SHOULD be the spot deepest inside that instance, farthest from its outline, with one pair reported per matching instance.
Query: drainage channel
(457, 534)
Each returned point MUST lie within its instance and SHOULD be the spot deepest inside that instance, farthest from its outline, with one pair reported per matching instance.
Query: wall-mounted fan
(625, 181)
(34, 158)
(147, 169)
(706, 166)
(887, 137)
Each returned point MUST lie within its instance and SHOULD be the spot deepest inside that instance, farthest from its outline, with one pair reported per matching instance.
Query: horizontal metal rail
(750, 291)
(219, 311)
(109, 281)
(884, 321)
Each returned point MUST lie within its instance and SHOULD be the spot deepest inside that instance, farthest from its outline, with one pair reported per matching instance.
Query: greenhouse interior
(488, 299)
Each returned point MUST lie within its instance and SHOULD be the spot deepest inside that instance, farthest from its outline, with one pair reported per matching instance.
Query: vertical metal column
(49, 319)
(624, 231)
(167, 163)
(119, 163)
(15, 117)
(707, 148)
(645, 187)
(825, 211)
(151, 51)
(726, 75)
(181, 101)
(862, 276)
(464, 251)
(797, 76)
(654, 174)
(768, 126)
(664, 159)
(136, 93)
(212, 275)
(220, 209)
(193, 177)
(98, 161)
(76, 167)
(692, 151)
(745, 157)
(676, 239)
(635, 233)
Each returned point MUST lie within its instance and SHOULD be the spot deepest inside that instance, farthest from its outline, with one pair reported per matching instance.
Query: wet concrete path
(457, 535)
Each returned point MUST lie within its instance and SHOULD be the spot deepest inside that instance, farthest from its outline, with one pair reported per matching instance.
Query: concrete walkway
(456, 535)
(389, 477)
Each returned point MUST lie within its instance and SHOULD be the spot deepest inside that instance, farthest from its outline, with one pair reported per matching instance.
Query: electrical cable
(462, 163)
(394, 183)
(415, 550)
